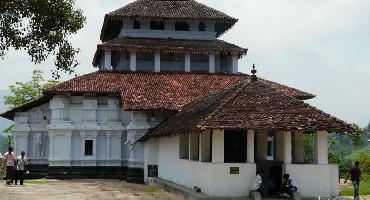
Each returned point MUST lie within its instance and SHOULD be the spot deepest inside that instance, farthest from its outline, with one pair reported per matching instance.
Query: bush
(364, 163)
(344, 167)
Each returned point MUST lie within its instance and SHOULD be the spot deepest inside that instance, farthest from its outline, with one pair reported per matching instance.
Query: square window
(202, 26)
(181, 26)
(155, 25)
(137, 24)
(88, 147)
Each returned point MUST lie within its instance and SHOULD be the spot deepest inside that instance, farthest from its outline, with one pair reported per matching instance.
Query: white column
(250, 146)
(108, 137)
(212, 63)
(137, 127)
(321, 147)
(235, 64)
(20, 133)
(205, 146)
(299, 147)
(187, 62)
(287, 148)
(133, 61)
(108, 59)
(262, 144)
(218, 146)
(157, 61)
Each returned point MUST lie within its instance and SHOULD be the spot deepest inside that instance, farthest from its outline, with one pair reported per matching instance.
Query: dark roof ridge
(239, 87)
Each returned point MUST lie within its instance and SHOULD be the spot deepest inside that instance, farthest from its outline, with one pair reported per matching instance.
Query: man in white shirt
(257, 184)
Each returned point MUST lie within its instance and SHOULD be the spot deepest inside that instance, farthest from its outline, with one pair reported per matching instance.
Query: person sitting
(289, 186)
(257, 184)
(21, 164)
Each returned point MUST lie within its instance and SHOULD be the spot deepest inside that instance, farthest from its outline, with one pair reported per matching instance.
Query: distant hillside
(3, 122)
(355, 154)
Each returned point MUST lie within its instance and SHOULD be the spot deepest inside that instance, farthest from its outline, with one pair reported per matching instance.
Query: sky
(318, 46)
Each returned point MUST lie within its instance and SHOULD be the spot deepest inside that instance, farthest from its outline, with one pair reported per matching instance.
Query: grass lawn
(364, 188)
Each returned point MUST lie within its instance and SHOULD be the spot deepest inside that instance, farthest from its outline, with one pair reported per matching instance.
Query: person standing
(10, 163)
(355, 173)
(21, 164)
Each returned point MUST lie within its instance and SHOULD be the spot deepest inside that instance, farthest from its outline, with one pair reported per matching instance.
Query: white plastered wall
(213, 178)
(315, 180)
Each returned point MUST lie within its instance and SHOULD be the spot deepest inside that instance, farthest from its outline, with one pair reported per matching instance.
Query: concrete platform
(188, 193)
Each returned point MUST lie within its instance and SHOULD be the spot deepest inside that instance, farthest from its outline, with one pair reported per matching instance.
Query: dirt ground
(82, 190)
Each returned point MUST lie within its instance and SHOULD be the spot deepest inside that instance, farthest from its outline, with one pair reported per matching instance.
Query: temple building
(168, 103)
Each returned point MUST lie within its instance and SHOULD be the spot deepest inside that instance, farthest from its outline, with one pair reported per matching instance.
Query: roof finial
(254, 71)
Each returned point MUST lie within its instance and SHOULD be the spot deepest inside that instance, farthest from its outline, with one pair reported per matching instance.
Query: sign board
(234, 170)
(152, 170)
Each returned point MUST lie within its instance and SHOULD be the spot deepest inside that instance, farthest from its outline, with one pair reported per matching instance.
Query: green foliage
(309, 155)
(22, 93)
(364, 163)
(357, 136)
(364, 189)
(356, 152)
(344, 166)
(333, 157)
(42, 28)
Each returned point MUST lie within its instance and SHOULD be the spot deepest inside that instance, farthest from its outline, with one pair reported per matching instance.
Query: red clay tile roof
(155, 91)
(248, 105)
(168, 46)
(180, 10)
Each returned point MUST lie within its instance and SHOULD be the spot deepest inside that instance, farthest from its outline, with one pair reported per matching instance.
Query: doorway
(235, 146)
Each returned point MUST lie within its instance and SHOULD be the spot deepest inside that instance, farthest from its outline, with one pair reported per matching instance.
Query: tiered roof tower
(171, 35)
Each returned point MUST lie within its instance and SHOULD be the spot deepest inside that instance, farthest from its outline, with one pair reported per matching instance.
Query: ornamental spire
(254, 71)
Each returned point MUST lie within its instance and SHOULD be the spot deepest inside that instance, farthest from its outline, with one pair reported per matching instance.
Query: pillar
(321, 147)
(205, 146)
(90, 106)
(250, 146)
(212, 63)
(60, 133)
(287, 148)
(218, 146)
(115, 144)
(20, 133)
(133, 61)
(108, 59)
(187, 62)
(262, 144)
(298, 147)
(157, 61)
(108, 137)
(137, 127)
(235, 64)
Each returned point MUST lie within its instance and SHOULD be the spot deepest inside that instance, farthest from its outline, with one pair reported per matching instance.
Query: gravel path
(82, 190)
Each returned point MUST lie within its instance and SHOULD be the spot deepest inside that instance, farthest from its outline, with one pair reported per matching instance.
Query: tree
(41, 27)
(357, 137)
(22, 93)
